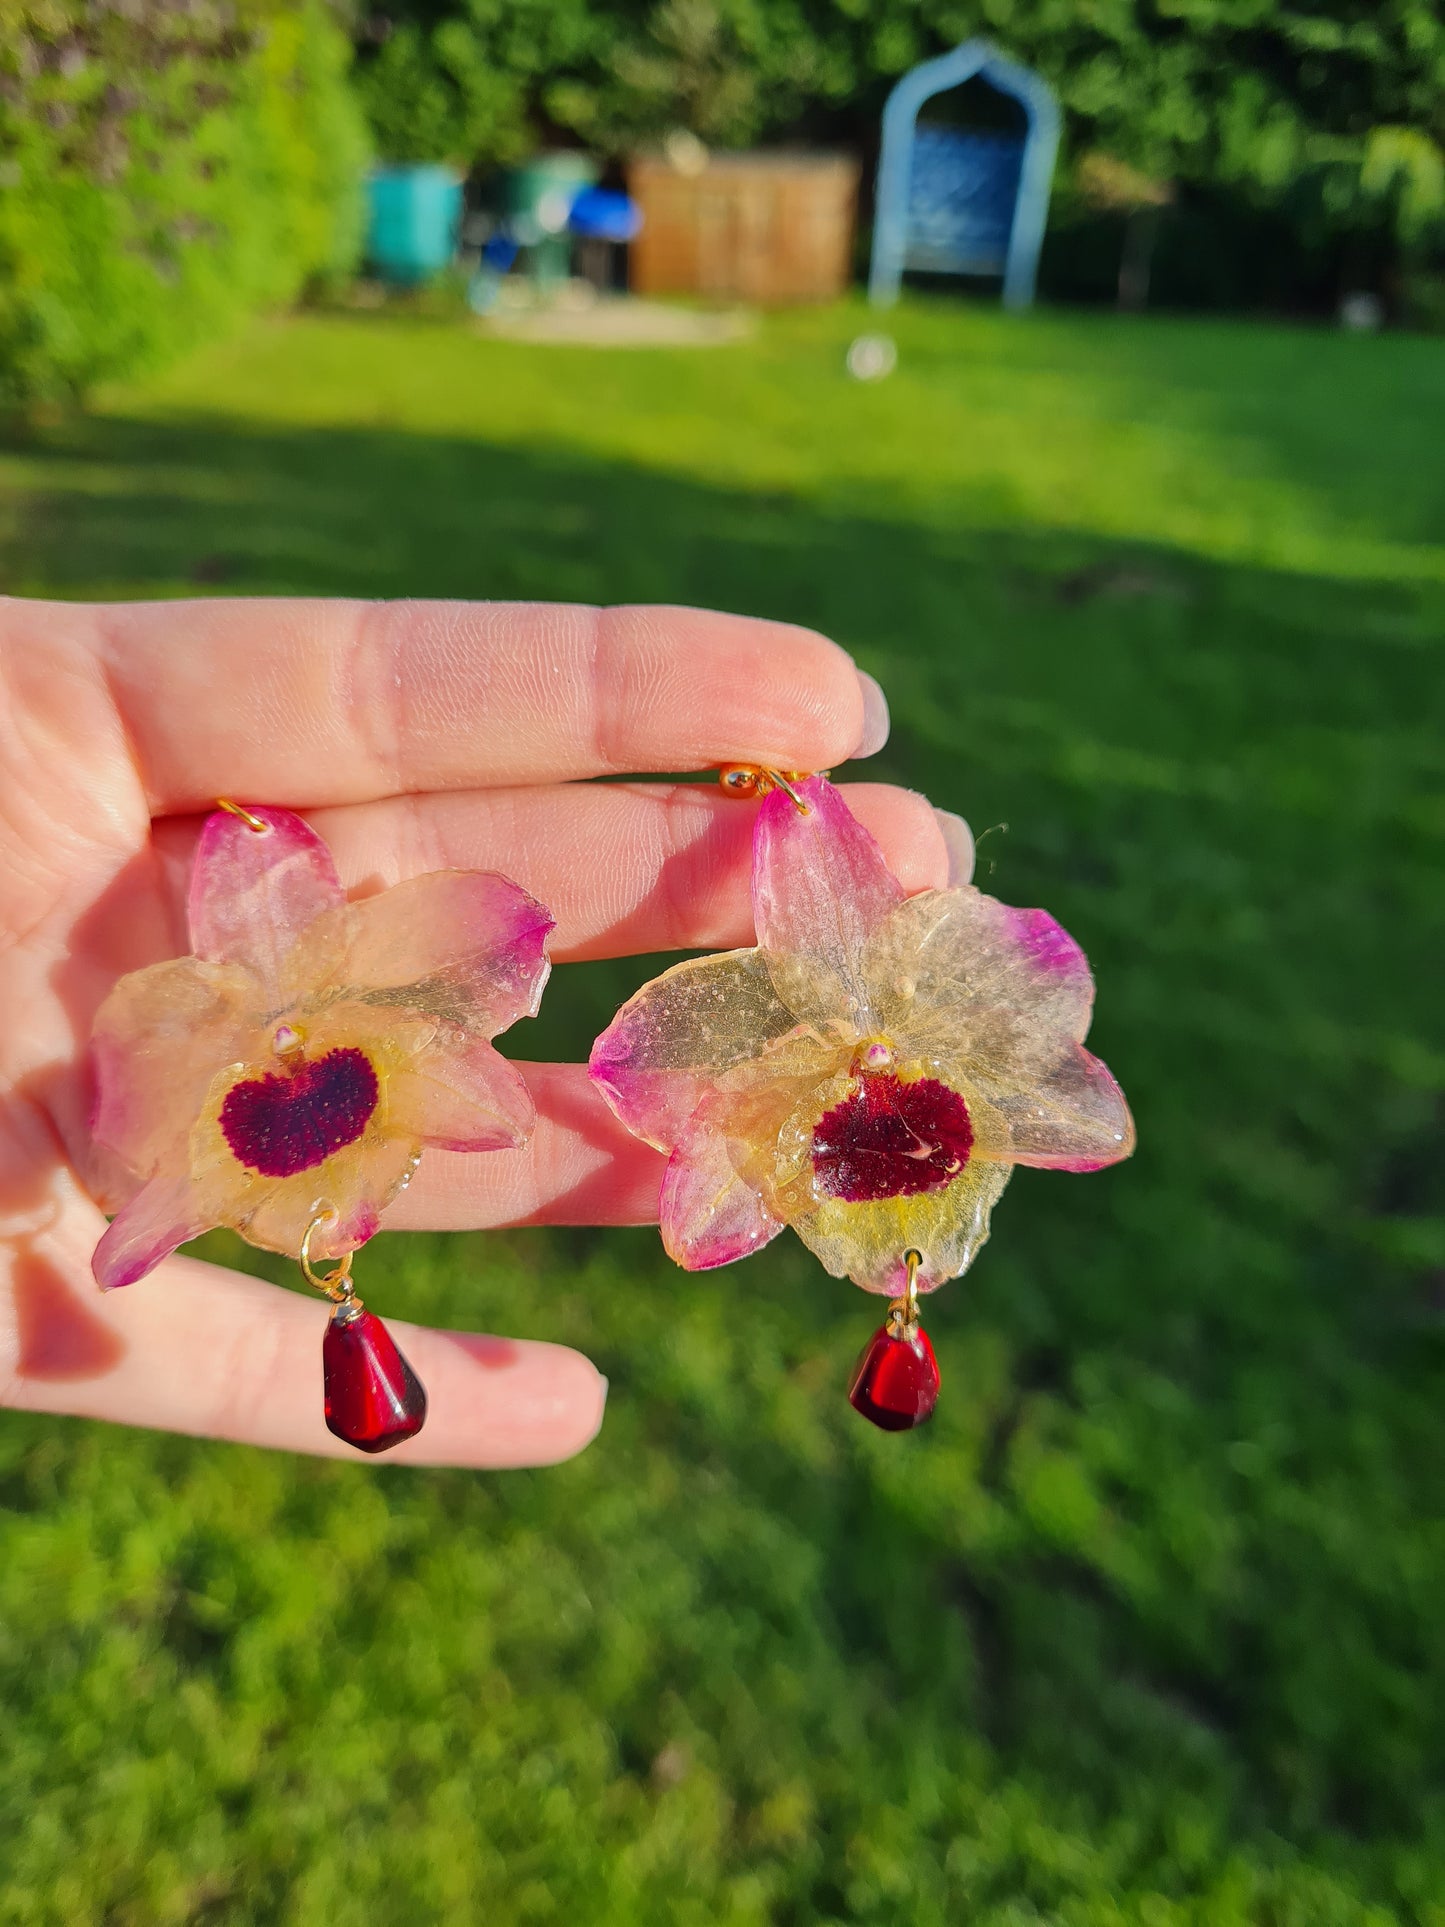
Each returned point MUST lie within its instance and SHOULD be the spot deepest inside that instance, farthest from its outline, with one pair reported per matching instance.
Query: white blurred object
(1362, 314)
(554, 208)
(685, 153)
(872, 357)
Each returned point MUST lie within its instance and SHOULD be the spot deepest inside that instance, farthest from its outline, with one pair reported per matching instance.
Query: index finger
(309, 702)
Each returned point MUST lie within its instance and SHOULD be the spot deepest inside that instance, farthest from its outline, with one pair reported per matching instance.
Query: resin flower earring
(285, 1079)
(870, 1074)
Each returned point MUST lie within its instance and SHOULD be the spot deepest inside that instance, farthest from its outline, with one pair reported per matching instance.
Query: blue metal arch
(1031, 204)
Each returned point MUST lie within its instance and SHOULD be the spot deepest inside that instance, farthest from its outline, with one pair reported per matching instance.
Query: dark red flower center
(891, 1137)
(291, 1119)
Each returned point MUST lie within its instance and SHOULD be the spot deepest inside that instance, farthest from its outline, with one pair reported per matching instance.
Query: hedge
(1305, 139)
(163, 170)
(1229, 91)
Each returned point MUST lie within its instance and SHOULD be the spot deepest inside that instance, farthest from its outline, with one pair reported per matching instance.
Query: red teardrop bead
(374, 1399)
(895, 1382)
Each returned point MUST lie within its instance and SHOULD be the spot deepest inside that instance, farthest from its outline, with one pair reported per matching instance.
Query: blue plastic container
(599, 214)
(414, 216)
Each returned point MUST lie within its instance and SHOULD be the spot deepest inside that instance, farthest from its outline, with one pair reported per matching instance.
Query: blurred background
(567, 299)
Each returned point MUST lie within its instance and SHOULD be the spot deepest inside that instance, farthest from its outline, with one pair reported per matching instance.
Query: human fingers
(306, 702)
(580, 1166)
(623, 868)
(202, 1350)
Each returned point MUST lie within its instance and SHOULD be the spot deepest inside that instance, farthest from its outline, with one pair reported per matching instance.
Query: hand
(416, 737)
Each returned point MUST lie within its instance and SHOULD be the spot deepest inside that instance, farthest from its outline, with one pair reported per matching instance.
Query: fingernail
(875, 716)
(958, 841)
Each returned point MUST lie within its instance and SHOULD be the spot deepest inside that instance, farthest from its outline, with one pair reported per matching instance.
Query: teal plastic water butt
(414, 217)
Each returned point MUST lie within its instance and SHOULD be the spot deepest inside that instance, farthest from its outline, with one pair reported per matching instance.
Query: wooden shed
(766, 227)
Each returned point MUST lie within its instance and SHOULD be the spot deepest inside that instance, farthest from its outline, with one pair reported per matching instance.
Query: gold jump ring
(337, 1283)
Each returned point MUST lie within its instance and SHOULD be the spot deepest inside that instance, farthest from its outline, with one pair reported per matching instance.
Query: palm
(415, 737)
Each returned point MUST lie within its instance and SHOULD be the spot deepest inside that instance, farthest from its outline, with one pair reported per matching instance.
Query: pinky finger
(199, 1349)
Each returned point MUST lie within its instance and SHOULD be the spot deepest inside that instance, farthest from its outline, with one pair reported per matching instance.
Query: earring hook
(234, 809)
(752, 779)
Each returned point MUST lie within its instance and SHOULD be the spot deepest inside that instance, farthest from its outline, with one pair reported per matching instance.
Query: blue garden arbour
(961, 203)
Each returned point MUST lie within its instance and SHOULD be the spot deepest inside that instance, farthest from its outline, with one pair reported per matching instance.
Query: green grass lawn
(1146, 1627)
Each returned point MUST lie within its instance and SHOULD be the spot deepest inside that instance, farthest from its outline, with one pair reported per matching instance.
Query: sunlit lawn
(1147, 1626)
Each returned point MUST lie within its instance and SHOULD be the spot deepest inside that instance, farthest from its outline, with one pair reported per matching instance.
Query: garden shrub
(163, 170)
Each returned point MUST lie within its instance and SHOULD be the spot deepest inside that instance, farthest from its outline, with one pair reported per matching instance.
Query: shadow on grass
(1167, 1541)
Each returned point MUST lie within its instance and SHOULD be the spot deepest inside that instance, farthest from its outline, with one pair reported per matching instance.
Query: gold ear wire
(751, 779)
(234, 809)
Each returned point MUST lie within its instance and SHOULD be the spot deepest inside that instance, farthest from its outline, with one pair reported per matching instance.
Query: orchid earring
(286, 1077)
(870, 1074)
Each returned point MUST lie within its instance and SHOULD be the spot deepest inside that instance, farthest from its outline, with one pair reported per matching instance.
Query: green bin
(537, 200)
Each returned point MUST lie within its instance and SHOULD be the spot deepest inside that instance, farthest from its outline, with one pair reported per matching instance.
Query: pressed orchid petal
(158, 1038)
(867, 1242)
(860, 1230)
(997, 999)
(461, 1094)
(751, 1111)
(253, 892)
(107, 1178)
(668, 1046)
(463, 946)
(163, 1214)
(797, 1151)
(331, 1021)
(958, 977)
(293, 1118)
(311, 1084)
(1072, 1117)
(711, 1215)
(820, 890)
(352, 1187)
(357, 1184)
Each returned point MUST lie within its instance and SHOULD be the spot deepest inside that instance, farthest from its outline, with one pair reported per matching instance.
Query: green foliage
(1402, 178)
(1301, 127)
(687, 69)
(439, 98)
(1226, 91)
(476, 81)
(1145, 1630)
(163, 170)
(1110, 184)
